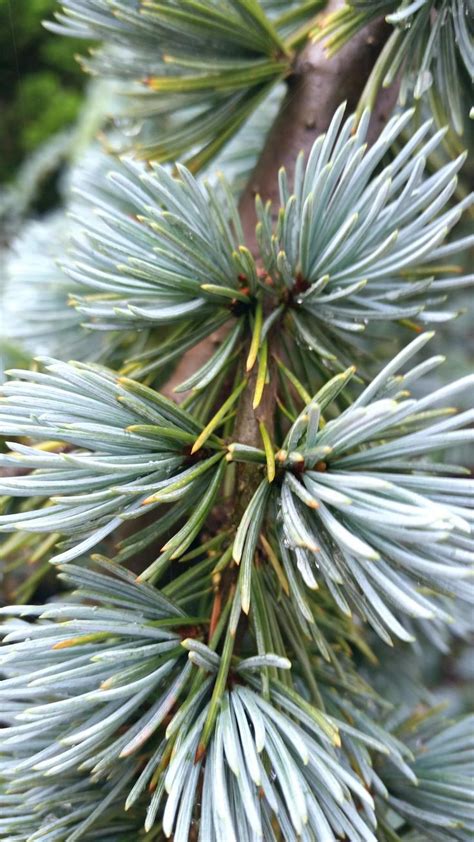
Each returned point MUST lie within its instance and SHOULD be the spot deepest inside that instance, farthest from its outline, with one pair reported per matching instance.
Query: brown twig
(316, 87)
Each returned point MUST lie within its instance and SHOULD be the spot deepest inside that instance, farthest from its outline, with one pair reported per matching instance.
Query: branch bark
(316, 88)
(190, 362)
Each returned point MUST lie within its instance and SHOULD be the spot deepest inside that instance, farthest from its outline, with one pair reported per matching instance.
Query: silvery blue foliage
(188, 91)
(352, 237)
(431, 47)
(104, 669)
(35, 294)
(347, 253)
(365, 506)
(441, 804)
(298, 524)
(124, 443)
(152, 242)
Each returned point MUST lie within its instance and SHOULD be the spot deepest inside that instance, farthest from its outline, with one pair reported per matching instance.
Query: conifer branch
(316, 87)
(304, 515)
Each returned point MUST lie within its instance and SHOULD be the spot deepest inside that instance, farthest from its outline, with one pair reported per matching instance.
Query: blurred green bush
(42, 83)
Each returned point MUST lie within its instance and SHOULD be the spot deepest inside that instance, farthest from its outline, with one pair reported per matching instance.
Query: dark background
(41, 82)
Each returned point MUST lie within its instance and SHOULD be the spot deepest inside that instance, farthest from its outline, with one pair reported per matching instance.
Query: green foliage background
(42, 83)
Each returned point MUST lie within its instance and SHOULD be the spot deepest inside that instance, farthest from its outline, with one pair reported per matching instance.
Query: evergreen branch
(432, 44)
(103, 671)
(246, 699)
(35, 296)
(359, 508)
(113, 469)
(193, 72)
(348, 243)
(443, 765)
(348, 250)
(316, 88)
